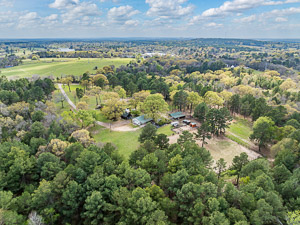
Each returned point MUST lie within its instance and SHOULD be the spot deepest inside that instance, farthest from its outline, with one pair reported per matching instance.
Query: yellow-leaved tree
(113, 108)
(213, 99)
(154, 106)
(194, 99)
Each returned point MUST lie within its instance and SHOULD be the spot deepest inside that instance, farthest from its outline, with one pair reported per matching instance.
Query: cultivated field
(60, 67)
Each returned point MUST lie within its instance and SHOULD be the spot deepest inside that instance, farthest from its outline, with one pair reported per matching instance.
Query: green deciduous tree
(263, 131)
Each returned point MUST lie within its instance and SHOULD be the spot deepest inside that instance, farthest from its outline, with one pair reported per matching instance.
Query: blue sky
(149, 18)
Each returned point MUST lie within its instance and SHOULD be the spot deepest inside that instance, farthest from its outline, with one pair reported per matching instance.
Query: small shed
(193, 125)
(141, 120)
(177, 115)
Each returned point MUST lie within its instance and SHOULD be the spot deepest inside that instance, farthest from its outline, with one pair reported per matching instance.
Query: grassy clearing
(56, 96)
(72, 95)
(241, 128)
(59, 67)
(126, 142)
(165, 130)
(238, 140)
(100, 117)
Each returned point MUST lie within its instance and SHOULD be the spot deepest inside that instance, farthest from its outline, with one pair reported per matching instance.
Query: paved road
(66, 96)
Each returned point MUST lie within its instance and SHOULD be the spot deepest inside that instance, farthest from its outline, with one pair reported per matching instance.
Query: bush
(163, 121)
(135, 113)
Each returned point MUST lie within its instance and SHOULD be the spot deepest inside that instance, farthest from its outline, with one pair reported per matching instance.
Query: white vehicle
(175, 124)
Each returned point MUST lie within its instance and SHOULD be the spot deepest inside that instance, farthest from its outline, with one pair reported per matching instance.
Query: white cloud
(281, 19)
(246, 19)
(122, 15)
(214, 25)
(281, 12)
(281, 2)
(114, 1)
(277, 14)
(132, 23)
(52, 17)
(28, 19)
(8, 19)
(232, 6)
(74, 11)
(63, 4)
(237, 6)
(81, 10)
(29, 16)
(6, 3)
(169, 9)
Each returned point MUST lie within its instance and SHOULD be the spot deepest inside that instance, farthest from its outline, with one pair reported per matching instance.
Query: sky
(150, 18)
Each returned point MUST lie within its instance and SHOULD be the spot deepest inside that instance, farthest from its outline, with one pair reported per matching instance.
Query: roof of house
(142, 119)
(177, 115)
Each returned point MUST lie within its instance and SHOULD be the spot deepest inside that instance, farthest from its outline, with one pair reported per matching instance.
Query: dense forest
(54, 169)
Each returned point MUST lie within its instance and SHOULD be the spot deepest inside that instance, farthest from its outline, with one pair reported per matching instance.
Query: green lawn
(241, 128)
(55, 99)
(126, 142)
(59, 67)
(92, 99)
(165, 130)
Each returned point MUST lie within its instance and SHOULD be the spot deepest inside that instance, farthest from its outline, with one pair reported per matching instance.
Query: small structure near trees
(177, 115)
(141, 120)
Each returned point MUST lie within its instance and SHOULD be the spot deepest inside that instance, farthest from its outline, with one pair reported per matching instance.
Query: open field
(126, 142)
(240, 131)
(60, 67)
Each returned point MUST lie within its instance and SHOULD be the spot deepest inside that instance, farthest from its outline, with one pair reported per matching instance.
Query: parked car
(186, 122)
(175, 124)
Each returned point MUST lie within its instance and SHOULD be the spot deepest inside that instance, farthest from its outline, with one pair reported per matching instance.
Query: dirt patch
(121, 125)
(125, 128)
(220, 147)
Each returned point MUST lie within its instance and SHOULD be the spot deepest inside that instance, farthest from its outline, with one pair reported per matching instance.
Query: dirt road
(121, 126)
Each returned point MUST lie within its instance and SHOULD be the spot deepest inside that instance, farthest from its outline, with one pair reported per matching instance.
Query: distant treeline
(76, 54)
(10, 61)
